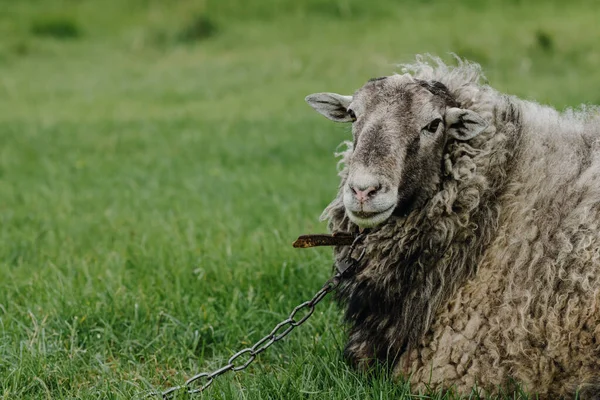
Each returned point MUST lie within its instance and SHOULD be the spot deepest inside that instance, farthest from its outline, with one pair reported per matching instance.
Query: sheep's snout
(362, 195)
(368, 199)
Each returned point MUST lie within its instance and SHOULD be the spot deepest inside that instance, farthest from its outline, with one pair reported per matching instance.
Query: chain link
(203, 380)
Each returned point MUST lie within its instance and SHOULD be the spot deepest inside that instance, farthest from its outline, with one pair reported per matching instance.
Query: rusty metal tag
(337, 239)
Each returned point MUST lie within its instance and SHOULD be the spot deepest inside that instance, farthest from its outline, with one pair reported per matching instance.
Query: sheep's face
(400, 127)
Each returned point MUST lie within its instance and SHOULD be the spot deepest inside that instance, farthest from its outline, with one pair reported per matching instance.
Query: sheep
(482, 262)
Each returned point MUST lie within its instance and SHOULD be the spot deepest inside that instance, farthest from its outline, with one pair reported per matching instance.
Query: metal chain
(281, 330)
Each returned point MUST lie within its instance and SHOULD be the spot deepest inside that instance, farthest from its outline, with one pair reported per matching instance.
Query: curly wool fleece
(496, 278)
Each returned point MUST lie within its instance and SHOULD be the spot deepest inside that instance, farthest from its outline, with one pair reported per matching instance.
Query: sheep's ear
(332, 105)
(464, 124)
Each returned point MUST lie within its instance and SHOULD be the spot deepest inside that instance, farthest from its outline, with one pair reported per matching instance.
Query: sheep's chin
(372, 221)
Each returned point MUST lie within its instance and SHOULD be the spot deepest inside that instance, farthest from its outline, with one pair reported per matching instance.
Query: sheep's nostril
(363, 195)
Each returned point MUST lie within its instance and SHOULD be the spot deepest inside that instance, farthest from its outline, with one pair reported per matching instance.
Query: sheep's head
(400, 126)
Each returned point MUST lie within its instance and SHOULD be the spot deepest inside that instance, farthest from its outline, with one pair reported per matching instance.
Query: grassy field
(157, 160)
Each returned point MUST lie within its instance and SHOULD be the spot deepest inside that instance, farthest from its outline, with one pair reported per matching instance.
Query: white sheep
(483, 262)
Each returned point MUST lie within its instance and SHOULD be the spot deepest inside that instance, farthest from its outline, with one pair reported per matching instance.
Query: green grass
(155, 169)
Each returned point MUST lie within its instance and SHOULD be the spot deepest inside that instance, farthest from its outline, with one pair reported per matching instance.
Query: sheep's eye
(352, 114)
(433, 125)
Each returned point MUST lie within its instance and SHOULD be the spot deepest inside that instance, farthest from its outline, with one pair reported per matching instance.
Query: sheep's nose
(362, 194)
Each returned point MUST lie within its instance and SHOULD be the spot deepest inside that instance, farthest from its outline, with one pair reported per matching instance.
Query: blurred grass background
(157, 159)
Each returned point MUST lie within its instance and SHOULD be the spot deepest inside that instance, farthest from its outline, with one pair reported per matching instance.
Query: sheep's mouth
(370, 218)
(365, 214)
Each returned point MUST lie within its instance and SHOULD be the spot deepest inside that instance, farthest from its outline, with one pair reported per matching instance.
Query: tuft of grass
(20, 48)
(57, 27)
(544, 41)
(200, 27)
